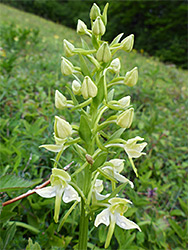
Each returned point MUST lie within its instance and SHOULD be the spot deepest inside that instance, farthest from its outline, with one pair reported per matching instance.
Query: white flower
(127, 43)
(131, 77)
(114, 215)
(115, 66)
(59, 189)
(60, 100)
(81, 27)
(125, 119)
(88, 89)
(114, 170)
(134, 150)
(97, 189)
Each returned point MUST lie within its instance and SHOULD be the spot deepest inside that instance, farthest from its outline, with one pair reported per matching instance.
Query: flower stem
(83, 230)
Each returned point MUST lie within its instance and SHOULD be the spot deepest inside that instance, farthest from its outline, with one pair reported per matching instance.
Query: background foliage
(31, 48)
(160, 27)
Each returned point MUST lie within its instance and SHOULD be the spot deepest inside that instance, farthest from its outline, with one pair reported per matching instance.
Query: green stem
(83, 230)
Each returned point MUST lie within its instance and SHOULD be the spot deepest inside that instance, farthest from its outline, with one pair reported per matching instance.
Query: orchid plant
(93, 85)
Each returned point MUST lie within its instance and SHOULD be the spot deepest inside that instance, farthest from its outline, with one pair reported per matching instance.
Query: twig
(26, 194)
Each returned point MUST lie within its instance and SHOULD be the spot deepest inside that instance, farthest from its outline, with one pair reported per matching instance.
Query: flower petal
(99, 196)
(124, 223)
(47, 192)
(52, 147)
(103, 217)
(121, 178)
(70, 194)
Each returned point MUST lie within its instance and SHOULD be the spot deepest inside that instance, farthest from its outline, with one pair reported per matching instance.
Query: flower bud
(94, 12)
(125, 119)
(66, 67)
(125, 101)
(60, 100)
(81, 27)
(115, 66)
(127, 43)
(103, 53)
(89, 89)
(131, 77)
(76, 87)
(98, 27)
(68, 48)
(62, 128)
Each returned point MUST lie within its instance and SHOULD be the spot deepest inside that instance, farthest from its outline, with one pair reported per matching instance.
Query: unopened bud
(76, 87)
(131, 77)
(60, 100)
(98, 27)
(115, 66)
(89, 159)
(125, 101)
(125, 119)
(62, 128)
(68, 48)
(127, 43)
(103, 53)
(66, 67)
(94, 12)
(89, 89)
(81, 27)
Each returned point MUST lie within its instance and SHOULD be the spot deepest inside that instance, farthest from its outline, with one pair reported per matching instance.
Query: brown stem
(26, 194)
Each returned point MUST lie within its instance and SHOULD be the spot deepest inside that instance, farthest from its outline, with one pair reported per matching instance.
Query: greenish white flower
(125, 119)
(131, 77)
(68, 48)
(62, 128)
(81, 27)
(127, 43)
(60, 100)
(76, 87)
(97, 189)
(115, 66)
(98, 27)
(88, 89)
(103, 53)
(112, 215)
(125, 101)
(114, 169)
(134, 150)
(66, 67)
(94, 12)
(60, 189)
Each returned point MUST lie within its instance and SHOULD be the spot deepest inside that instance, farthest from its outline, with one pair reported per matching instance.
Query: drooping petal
(52, 147)
(59, 192)
(70, 194)
(124, 223)
(99, 196)
(47, 192)
(103, 217)
(123, 179)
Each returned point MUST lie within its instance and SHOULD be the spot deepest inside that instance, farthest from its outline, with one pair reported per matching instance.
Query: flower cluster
(92, 95)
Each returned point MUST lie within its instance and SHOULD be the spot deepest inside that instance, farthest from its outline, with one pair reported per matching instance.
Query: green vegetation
(31, 49)
(160, 26)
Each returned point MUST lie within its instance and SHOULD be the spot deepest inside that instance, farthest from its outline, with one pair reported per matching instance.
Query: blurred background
(160, 27)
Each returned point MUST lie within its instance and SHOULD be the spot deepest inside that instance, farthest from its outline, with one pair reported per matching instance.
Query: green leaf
(117, 134)
(62, 221)
(110, 95)
(104, 14)
(95, 42)
(107, 176)
(177, 212)
(101, 158)
(84, 51)
(116, 39)
(177, 229)
(84, 67)
(100, 95)
(184, 206)
(32, 246)
(6, 215)
(84, 129)
(12, 182)
(9, 235)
